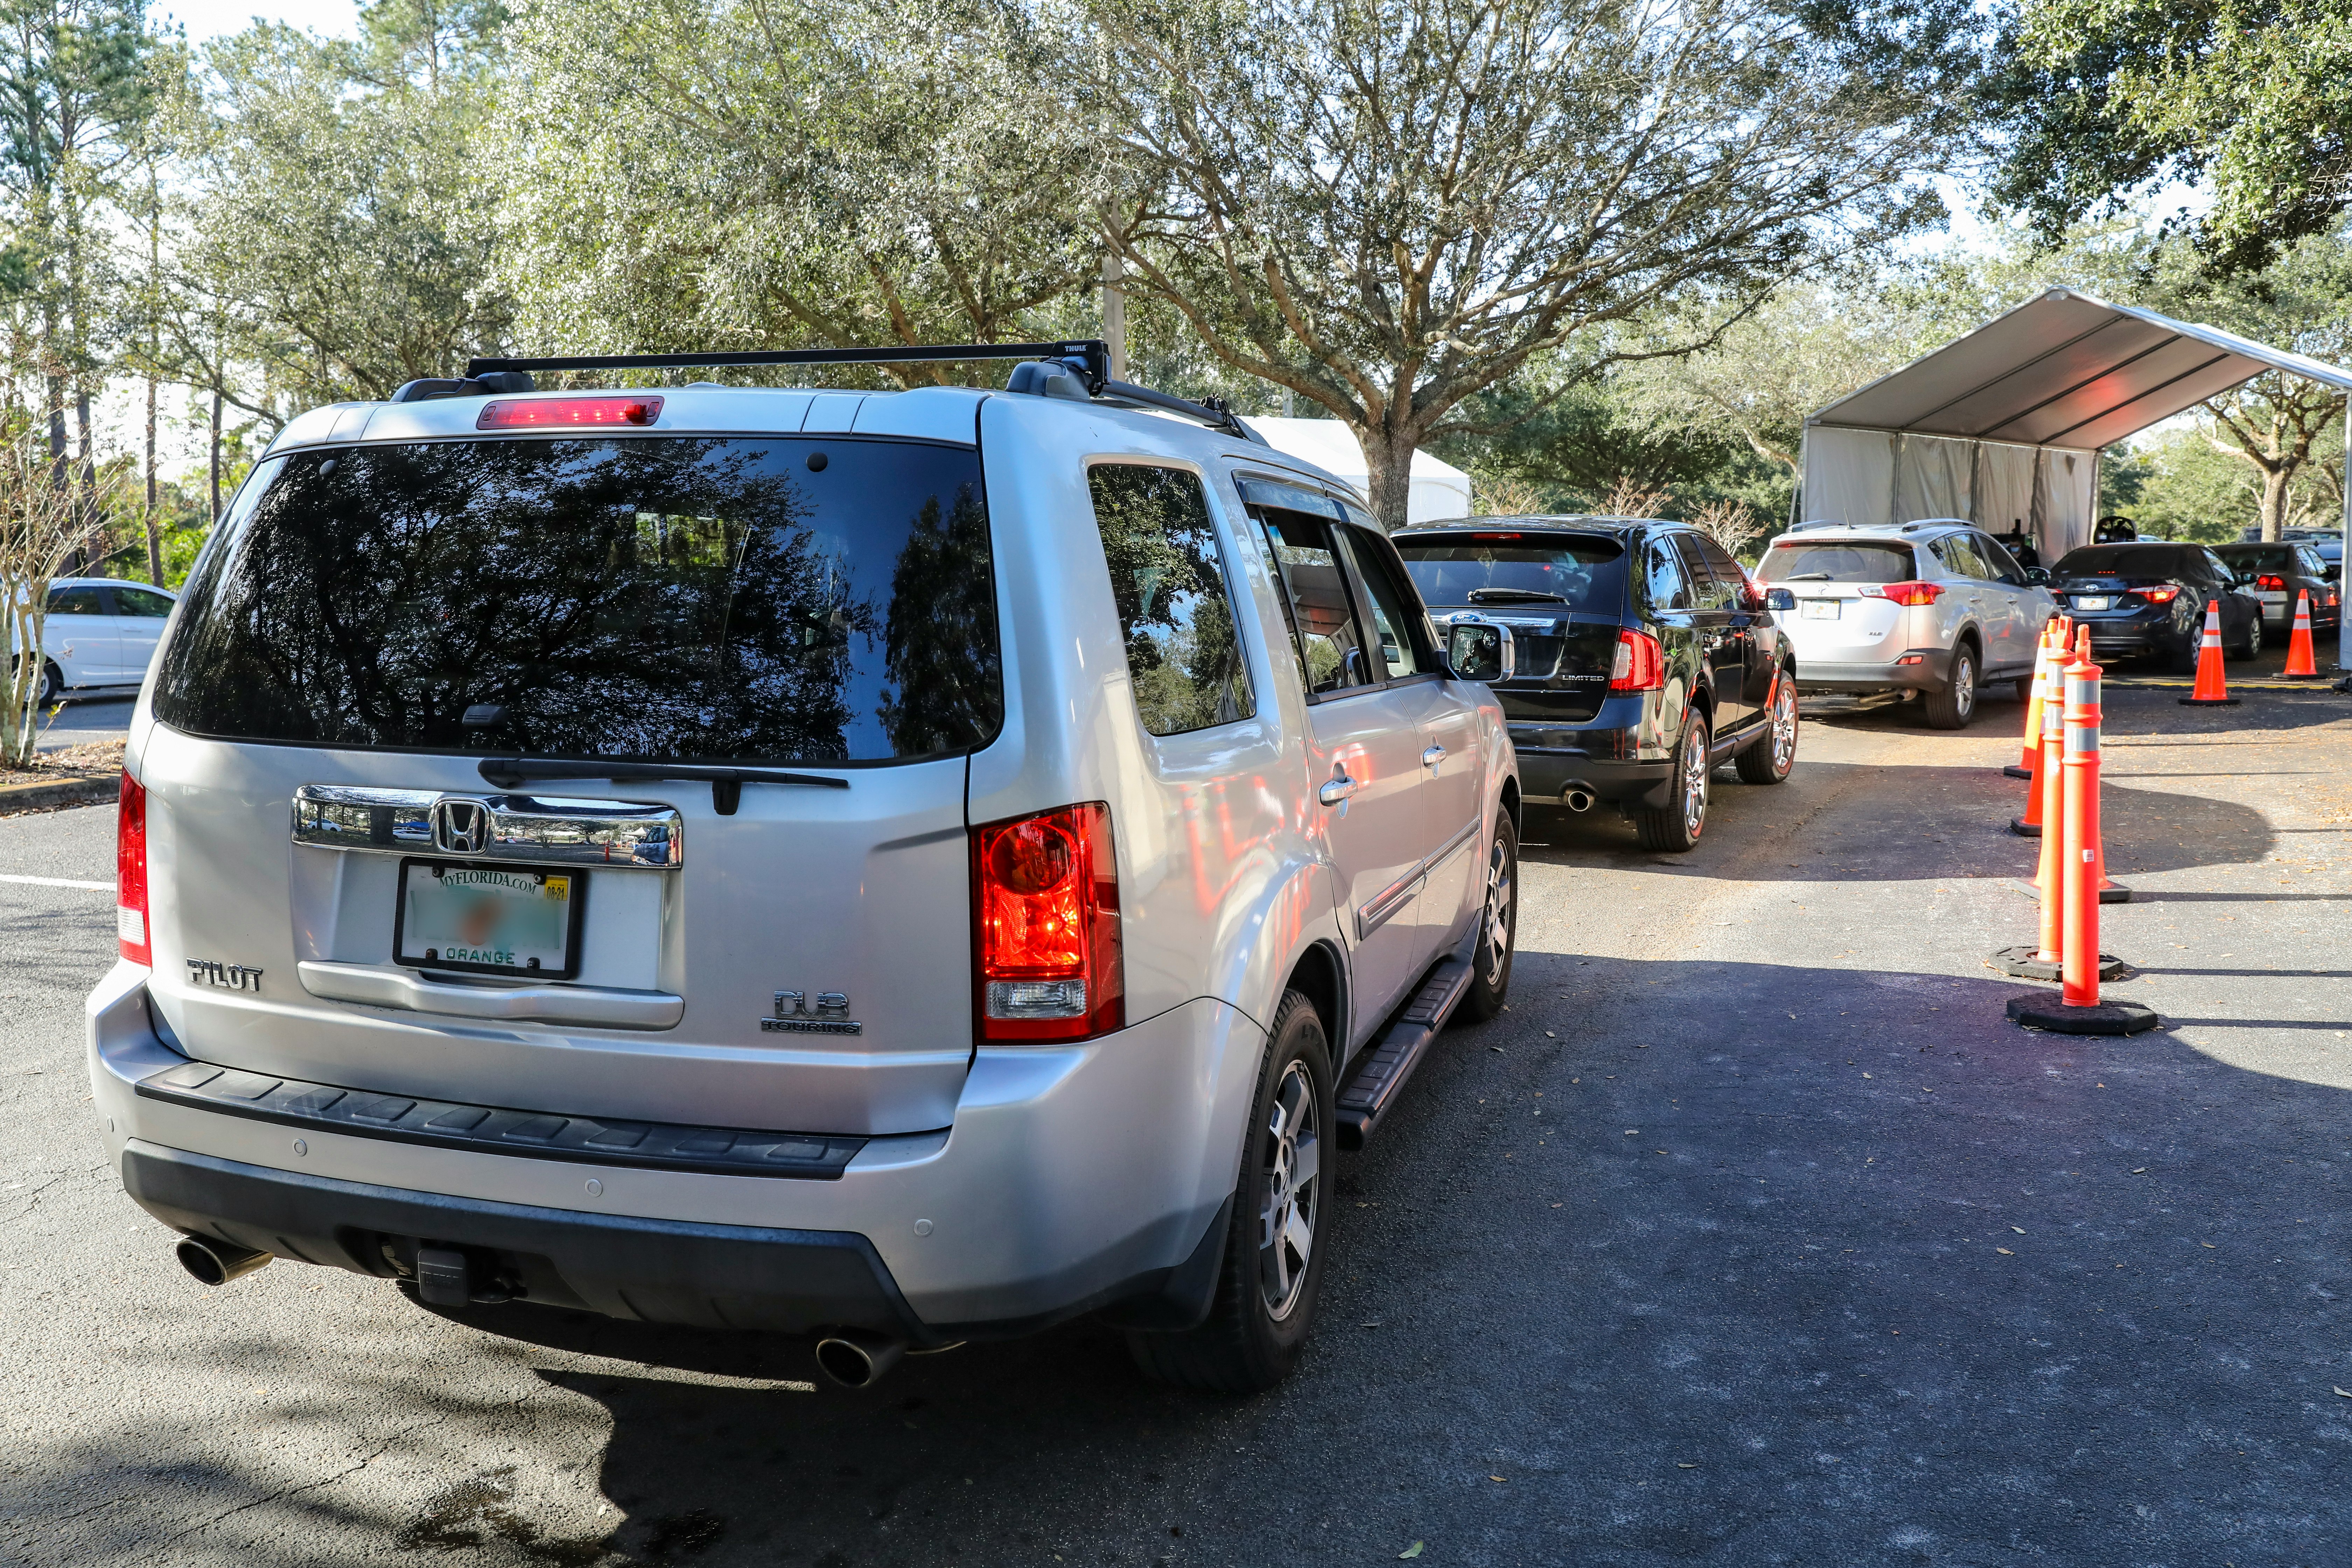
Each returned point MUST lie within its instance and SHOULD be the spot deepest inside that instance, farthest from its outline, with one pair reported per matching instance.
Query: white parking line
(59, 882)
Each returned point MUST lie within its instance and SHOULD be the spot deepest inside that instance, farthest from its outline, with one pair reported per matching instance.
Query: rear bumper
(1622, 753)
(1934, 668)
(2124, 640)
(1073, 1177)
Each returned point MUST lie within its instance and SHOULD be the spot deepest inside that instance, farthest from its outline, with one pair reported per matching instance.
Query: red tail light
(1046, 905)
(1911, 595)
(539, 412)
(1641, 664)
(2274, 585)
(2157, 596)
(130, 873)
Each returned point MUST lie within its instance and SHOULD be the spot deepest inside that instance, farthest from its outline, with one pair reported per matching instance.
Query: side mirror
(1480, 650)
(1780, 599)
(2036, 575)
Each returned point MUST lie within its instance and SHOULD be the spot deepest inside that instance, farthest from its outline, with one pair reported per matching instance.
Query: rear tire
(1674, 829)
(2025, 689)
(1498, 928)
(1953, 704)
(1768, 757)
(1267, 1290)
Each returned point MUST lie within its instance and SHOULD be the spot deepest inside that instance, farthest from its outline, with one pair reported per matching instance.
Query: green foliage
(2253, 97)
(744, 173)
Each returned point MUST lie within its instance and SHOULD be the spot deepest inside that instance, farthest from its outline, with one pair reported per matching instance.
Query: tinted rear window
(655, 598)
(1586, 571)
(2260, 557)
(1837, 562)
(2127, 561)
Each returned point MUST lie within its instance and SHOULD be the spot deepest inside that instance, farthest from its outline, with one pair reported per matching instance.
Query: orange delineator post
(2079, 856)
(2300, 664)
(2212, 688)
(2033, 752)
(2049, 787)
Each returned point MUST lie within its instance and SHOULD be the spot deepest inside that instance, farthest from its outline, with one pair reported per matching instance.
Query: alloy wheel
(1964, 682)
(1784, 728)
(1696, 771)
(1286, 1221)
(1495, 922)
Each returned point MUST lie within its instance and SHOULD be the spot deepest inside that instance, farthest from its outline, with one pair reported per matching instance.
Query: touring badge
(794, 1017)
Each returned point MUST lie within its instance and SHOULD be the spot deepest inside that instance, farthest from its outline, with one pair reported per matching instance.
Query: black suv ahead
(1645, 657)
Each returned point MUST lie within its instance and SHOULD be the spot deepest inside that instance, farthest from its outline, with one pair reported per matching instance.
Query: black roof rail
(1089, 359)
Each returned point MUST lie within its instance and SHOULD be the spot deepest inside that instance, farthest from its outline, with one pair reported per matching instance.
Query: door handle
(1336, 791)
(1434, 755)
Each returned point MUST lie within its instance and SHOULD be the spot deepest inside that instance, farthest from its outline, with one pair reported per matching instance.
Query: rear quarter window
(1183, 650)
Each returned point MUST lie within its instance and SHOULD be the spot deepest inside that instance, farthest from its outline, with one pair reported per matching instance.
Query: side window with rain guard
(1331, 643)
(1183, 651)
(1391, 610)
(1708, 592)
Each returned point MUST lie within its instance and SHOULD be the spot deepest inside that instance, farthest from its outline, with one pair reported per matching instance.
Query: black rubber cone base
(2023, 829)
(2013, 771)
(2112, 1016)
(2208, 702)
(2117, 894)
(2021, 962)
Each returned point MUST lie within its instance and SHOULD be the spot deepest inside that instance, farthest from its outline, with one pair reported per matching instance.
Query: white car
(1936, 606)
(99, 633)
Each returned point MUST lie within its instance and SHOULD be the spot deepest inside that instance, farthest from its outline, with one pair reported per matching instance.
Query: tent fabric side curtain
(1880, 478)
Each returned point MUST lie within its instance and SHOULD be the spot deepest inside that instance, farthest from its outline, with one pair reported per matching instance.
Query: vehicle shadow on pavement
(1678, 1258)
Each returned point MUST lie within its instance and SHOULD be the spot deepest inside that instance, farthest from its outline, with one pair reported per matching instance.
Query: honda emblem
(461, 826)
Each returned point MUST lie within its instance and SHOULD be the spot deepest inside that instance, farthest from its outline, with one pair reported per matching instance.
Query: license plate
(1820, 609)
(489, 919)
(2093, 601)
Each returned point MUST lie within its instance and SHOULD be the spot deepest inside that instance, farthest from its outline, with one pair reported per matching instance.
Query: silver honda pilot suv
(899, 869)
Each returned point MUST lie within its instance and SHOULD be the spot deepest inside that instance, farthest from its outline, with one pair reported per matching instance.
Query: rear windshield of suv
(2260, 557)
(654, 598)
(1575, 571)
(1837, 560)
(2131, 560)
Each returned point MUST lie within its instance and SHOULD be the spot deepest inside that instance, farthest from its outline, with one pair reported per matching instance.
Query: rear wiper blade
(726, 783)
(1807, 577)
(1521, 595)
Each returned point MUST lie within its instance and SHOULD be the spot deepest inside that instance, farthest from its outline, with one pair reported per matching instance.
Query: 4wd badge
(792, 1015)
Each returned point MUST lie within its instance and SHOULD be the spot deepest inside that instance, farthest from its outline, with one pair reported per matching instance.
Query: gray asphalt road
(1752, 1235)
(89, 718)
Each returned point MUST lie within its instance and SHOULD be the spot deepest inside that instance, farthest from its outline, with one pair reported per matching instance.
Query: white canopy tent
(1436, 490)
(2005, 426)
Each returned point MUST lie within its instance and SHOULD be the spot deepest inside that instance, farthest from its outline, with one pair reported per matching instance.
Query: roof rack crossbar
(1093, 354)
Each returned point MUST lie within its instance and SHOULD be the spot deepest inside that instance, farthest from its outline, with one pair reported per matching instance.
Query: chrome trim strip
(611, 1009)
(537, 829)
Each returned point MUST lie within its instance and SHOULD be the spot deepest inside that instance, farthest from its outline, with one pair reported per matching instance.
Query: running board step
(1367, 1096)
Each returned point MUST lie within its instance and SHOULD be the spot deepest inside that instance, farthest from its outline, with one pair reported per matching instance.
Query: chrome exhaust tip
(856, 1359)
(1579, 800)
(218, 1262)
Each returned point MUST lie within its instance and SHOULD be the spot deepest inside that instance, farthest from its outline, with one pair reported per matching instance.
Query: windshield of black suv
(1555, 570)
(656, 598)
(1837, 560)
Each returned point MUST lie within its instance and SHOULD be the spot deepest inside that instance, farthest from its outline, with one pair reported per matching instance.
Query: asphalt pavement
(1752, 1234)
(87, 719)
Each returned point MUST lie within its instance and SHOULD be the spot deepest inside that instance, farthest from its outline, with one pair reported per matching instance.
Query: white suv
(905, 868)
(1936, 608)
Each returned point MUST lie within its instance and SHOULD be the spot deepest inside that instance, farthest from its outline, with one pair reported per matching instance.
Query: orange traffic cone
(2031, 757)
(2211, 691)
(2300, 664)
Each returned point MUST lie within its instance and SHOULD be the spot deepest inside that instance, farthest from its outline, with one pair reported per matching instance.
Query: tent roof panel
(2064, 369)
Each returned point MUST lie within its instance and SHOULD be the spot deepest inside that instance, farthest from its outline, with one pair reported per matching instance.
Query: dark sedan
(2148, 598)
(1645, 657)
(2278, 574)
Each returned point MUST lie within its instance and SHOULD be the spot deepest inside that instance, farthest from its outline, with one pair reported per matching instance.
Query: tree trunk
(215, 435)
(1388, 474)
(147, 515)
(2276, 482)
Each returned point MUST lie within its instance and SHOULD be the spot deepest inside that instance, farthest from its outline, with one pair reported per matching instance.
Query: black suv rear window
(654, 598)
(1838, 561)
(1571, 570)
(2130, 561)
